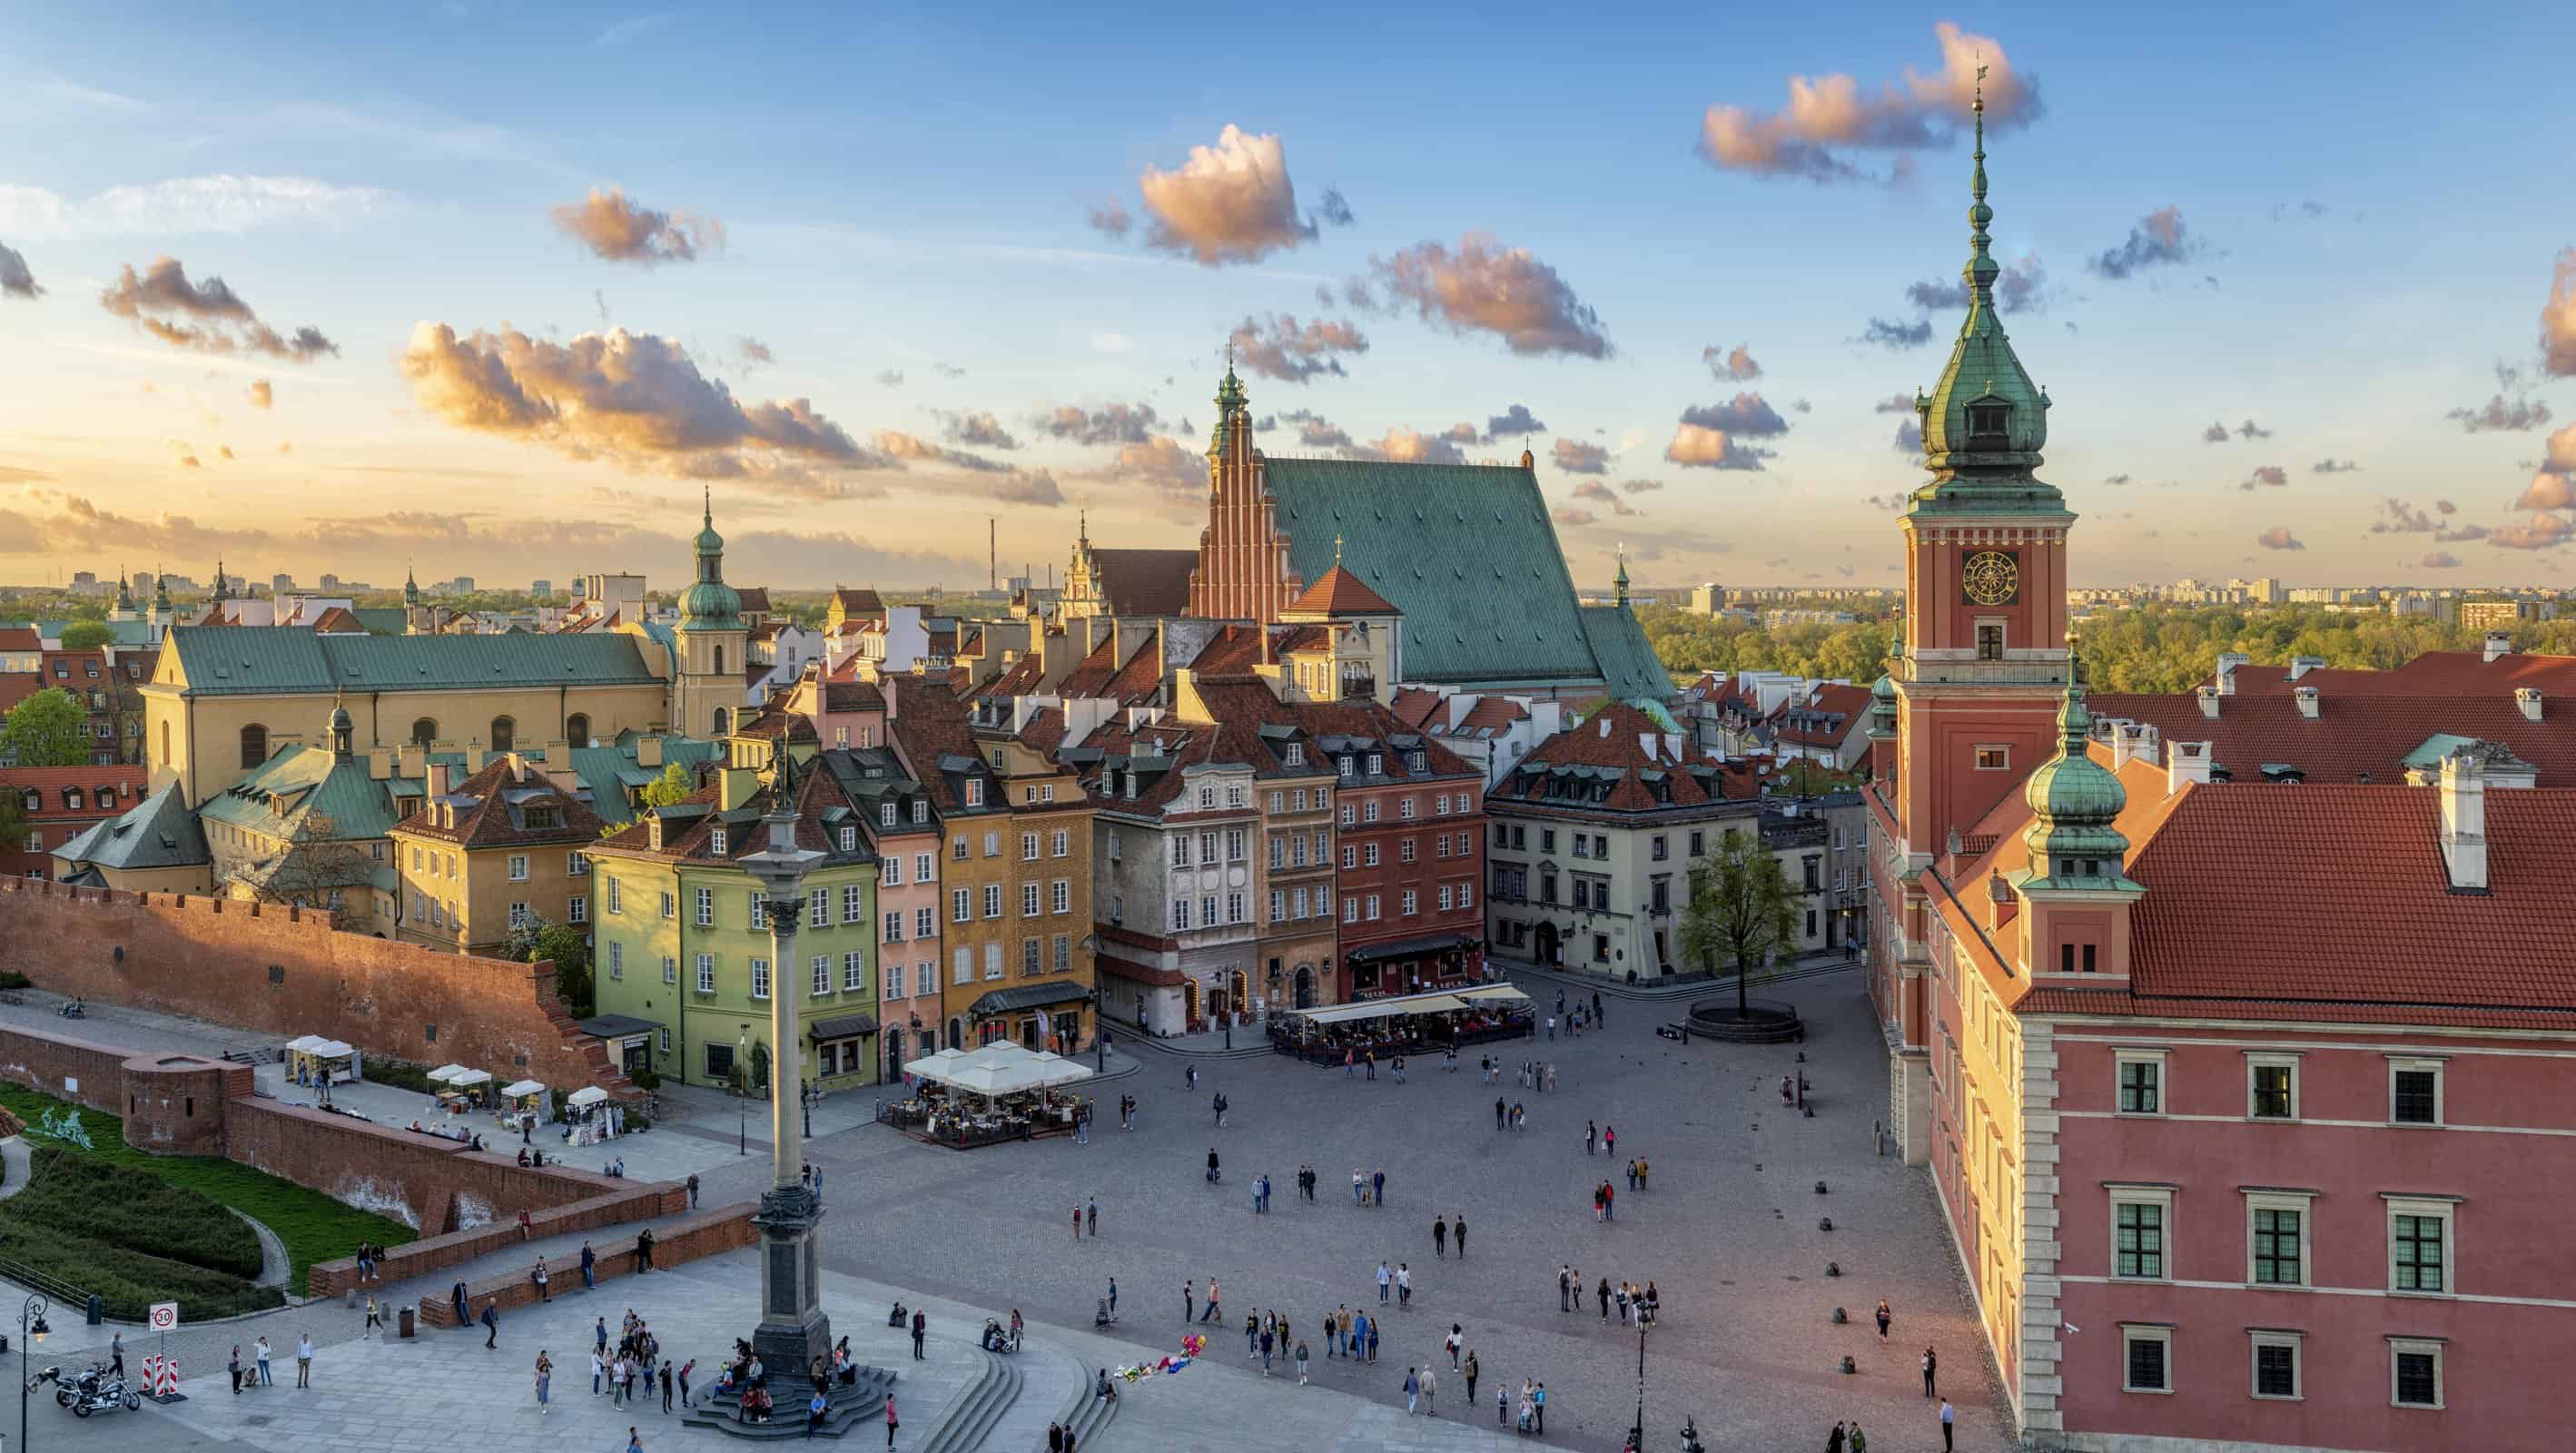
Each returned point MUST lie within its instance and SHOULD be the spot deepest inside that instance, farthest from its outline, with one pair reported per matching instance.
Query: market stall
(466, 1090)
(1404, 1024)
(999, 1092)
(525, 1104)
(595, 1117)
(313, 1060)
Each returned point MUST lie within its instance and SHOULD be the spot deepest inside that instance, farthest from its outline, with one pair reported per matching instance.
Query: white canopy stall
(312, 1059)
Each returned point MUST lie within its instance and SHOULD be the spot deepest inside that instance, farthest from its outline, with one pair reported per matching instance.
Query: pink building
(904, 824)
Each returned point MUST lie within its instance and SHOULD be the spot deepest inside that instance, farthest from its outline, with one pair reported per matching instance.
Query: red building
(61, 803)
(2241, 1099)
(1411, 841)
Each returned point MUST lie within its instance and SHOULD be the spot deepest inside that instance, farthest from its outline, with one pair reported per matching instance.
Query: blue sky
(907, 191)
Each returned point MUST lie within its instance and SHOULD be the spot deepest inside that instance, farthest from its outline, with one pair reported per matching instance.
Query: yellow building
(485, 855)
(307, 829)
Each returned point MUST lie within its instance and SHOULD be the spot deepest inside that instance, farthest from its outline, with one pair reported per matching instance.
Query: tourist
(1564, 1286)
(1931, 1367)
(1385, 1283)
(599, 1336)
(1185, 1299)
(1439, 1238)
(1834, 1440)
(1377, 1188)
(545, 1380)
(598, 1371)
(1267, 1334)
(235, 1368)
(491, 1320)
(539, 1277)
(1498, 1112)
(1113, 1304)
(589, 1264)
(644, 1250)
(891, 1422)
(1457, 1337)
(1470, 1369)
(920, 1329)
(1220, 1109)
(1859, 1440)
(1430, 1392)
(1412, 1392)
(1212, 1313)
(1458, 1232)
(1884, 1317)
(683, 1375)
(304, 1360)
(814, 1413)
(1603, 1291)
(1301, 1364)
(693, 1190)
(260, 1350)
(1372, 1339)
(1094, 1211)
(1591, 1133)
(375, 1317)
(1077, 1223)
(1949, 1420)
(1610, 1140)
(1403, 1285)
(1538, 1400)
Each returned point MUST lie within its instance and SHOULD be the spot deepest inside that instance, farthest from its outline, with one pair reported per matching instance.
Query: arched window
(721, 718)
(503, 730)
(254, 745)
(719, 660)
(577, 729)
(423, 732)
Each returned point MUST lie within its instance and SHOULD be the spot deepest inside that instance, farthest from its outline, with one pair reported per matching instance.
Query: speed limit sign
(165, 1316)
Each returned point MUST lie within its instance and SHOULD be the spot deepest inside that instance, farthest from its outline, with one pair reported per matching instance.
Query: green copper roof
(709, 604)
(2073, 801)
(1626, 660)
(240, 660)
(305, 790)
(1984, 422)
(1467, 552)
(158, 832)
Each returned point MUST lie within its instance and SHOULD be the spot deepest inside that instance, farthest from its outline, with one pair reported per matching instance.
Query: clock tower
(1982, 666)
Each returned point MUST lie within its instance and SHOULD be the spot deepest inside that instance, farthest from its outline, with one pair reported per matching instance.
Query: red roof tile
(2434, 673)
(1341, 593)
(2351, 734)
(1415, 706)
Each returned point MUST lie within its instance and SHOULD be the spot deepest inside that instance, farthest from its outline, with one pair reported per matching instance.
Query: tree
(674, 785)
(13, 816)
(316, 868)
(48, 729)
(85, 635)
(565, 944)
(1741, 912)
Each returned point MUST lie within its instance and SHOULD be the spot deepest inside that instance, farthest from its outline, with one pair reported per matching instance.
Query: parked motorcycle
(92, 1391)
(65, 1389)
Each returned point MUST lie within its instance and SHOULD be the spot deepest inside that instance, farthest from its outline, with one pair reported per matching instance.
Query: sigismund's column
(793, 1330)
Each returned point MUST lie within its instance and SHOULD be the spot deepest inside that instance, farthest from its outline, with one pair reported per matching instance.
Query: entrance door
(1305, 986)
(637, 1056)
(956, 1034)
(1548, 949)
(1240, 998)
(893, 1055)
(1189, 1001)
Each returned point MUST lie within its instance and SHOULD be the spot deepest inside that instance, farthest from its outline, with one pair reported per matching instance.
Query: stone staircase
(963, 1427)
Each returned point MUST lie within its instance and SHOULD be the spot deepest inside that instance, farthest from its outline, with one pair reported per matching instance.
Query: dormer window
(1988, 424)
(716, 842)
(1294, 755)
(920, 811)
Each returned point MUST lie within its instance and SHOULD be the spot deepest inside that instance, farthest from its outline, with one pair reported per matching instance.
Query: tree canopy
(86, 635)
(1742, 912)
(48, 729)
(674, 785)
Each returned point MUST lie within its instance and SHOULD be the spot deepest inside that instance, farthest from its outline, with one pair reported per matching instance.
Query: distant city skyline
(269, 299)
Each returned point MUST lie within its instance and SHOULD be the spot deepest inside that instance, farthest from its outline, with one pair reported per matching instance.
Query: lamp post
(1637, 1434)
(793, 1330)
(31, 1328)
(742, 1097)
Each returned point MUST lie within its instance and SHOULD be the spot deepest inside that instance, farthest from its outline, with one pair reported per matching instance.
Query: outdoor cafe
(1002, 1091)
(1404, 1024)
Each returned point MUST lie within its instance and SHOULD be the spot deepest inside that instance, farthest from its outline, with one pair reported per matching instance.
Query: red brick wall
(432, 1185)
(54, 1062)
(279, 972)
(707, 1233)
(639, 1200)
(176, 1104)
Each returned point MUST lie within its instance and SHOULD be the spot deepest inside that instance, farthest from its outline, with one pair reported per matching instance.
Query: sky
(505, 290)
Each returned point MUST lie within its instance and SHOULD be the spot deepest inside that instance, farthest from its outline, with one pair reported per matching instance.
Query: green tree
(13, 816)
(85, 635)
(48, 729)
(675, 785)
(1741, 912)
(563, 943)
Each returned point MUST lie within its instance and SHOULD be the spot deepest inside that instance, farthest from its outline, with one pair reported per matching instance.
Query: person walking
(1949, 1425)
(1931, 1372)
(539, 1277)
(892, 1422)
(1220, 1109)
(491, 1320)
(304, 1360)
(1538, 1401)
(1458, 1232)
(920, 1330)
(260, 1350)
(1834, 1440)
(1186, 1302)
(1403, 1285)
(1412, 1393)
(1859, 1440)
(116, 1354)
(1564, 1278)
(1092, 1209)
(1385, 1283)
(1430, 1392)
(686, 1368)
(1610, 1140)
(235, 1368)
(1113, 1296)
(693, 1190)
(1498, 1112)
(1470, 1369)
(665, 1379)
(1213, 1313)
(1549, 1084)
(1591, 1133)
(1372, 1339)
(1077, 1223)
(1377, 1188)
(1603, 1291)
(1267, 1336)
(1439, 1238)
(1884, 1317)
(589, 1268)
(1301, 1364)
(1457, 1338)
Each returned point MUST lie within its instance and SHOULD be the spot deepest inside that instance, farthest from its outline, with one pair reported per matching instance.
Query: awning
(1000, 1068)
(468, 1079)
(330, 1049)
(1385, 1008)
(1492, 994)
(523, 1087)
(445, 1073)
(1028, 996)
(305, 1043)
(932, 1066)
(846, 1026)
(617, 1026)
(1409, 948)
(586, 1095)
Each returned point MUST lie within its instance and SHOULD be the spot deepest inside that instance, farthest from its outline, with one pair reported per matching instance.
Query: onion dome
(709, 604)
(2074, 801)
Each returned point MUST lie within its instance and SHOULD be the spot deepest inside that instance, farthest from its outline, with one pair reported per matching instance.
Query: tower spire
(1981, 270)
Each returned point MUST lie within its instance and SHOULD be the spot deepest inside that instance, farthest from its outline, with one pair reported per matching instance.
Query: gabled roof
(20, 638)
(303, 790)
(689, 826)
(857, 600)
(494, 808)
(234, 662)
(1341, 593)
(2434, 673)
(936, 735)
(2351, 734)
(1415, 705)
(17, 686)
(158, 832)
(1617, 759)
(1625, 659)
(338, 621)
(1145, 582)
(1091, 675)
(840, 696)
(1827, 718)
(753, 597)
(1020, 678)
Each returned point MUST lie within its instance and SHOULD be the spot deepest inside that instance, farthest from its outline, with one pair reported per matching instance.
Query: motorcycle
(89, 1392)
(1690, 1437)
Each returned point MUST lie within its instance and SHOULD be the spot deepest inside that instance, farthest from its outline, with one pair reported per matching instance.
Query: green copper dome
(2073, 801)
(1985, 422)
(709, 604)
(411, 587)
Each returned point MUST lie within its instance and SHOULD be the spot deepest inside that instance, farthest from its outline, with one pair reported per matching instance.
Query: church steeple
(221, 594)
(1619, 583)
(411, 588)
(1233, 412)
(2073, 801)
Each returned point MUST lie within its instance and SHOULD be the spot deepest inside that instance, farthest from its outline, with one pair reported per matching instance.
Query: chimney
(2209, 702)
(380, 760)
(2498, 644)
(473, 755)
(2528, 698)
(2302, 665)
(734, 787)
(2464, 822)
(2001, 902)
(648, 752)
(437, 779)
(2307, 697)
(2228, 661)
(2186, 763)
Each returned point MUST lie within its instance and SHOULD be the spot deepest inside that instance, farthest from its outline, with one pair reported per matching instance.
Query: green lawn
(313, 1226)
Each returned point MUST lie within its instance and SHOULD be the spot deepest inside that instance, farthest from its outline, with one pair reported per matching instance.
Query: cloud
(185, 457)
(1405, 446)
(1231, 202)
(913, 449)
(2115, 480)
(1885, 334)
(1334, 209)
(46, 522)
(1028, 487)
(1601, 494)
(2334, 466)
(891, 378)
(2251, 430)
(2022, 287)
(1571, 516)
(752, 350)
(1281, 348)
(1515, 420)
(2161, 239)
(2500, 415)
(1114, 424)
(636, 399)
(1163, 467)
(186, 205)
(2560, 455)
(1746, 416)
(2548, 491)
(206, 316)
(1574, 456)
(627, 31)
(1893, 404)
(2278, 538)
(1640, 486)
(1731, 365)
(1111, 219)
(2266, 474)
(1909, 436)
(2401, 518)
(15, 280)
(1314, 431)
(261, 395)
(2214, 434)
(2541, 532)
(1831, 114)
(1112, 343)
(226, 450)
(946, 369)
(617, 230)
(1487, 287)
(2558, 318)
(2443, 506)
(981, 430)
(2440, 560)
(1697, 446)
(2463, 532)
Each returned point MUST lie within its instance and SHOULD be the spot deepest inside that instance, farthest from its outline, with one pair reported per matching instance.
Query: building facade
(495, 853)
(63, 805)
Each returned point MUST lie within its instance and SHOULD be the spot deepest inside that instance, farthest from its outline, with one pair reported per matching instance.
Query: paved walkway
(16, 1164)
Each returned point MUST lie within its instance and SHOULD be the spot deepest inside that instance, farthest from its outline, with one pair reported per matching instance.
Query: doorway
(1548, 947)
(1305, 986)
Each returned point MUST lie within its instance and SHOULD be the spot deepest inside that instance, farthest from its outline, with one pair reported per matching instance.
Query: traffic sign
(165, 1316)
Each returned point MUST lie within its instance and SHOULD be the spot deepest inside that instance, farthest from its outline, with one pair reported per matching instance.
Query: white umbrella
(305, 1043)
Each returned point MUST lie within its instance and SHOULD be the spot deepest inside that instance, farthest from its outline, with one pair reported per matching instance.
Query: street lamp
(742, 1097)
(1637, 1434)
(31, 1328)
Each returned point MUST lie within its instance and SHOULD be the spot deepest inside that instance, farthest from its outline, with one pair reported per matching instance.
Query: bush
(402, 1074)
(77, 1195)
(129, 1282)
(12, 979)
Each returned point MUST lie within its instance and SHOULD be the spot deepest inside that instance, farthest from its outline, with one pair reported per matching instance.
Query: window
(961, 905)
(2419, 1245)
(1466, 895)
(706, 902)
(1445, 897)
(616, 891)
(1293, 755)
(1029, 900)
(964, 972)
(1368, 810)
(1063, 952)
(1404, 809)
(1994, 759)
(1350, 910)
(2279, 1223)
(1234, 908)
(1032, 958)
(1369, 854)
(1279, 904)
(957, 848)
(2276, 1363)
(822, 975)
(716, 842)
(854, 903)
(2142, 1082)
(576, 865)
(818, 908)
(992, 900)
(670, 969)
(755, 910)
(504, 733)
(1278, 854)
(2415, 1092)
(616, 960)
(992, 961)
(921, 867)
(925, 922)
(1234, 845)
(854, 974)
(706, 973)
(1180, 850)
(577, 908)
(1404, 851)
(2141, 1218)
(2146, 1357)
(670, 908)
(1411, 902)
(1059, 843)
(423, 732)
(1180, 914)
(2415, 1372)
(1060, 896)
(577, 729)
(719, 1061)
(1990, 641)
(894, 926)
(1350, 855)
(1546, 840)
(760, 978)
(1986, 424)
(2272, 1086)
(1028, 847)
(1372, 908)
(974, 792)
(890, 872)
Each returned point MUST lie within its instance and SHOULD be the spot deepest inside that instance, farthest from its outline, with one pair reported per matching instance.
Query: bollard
(1840, 1317)
(97, 1309)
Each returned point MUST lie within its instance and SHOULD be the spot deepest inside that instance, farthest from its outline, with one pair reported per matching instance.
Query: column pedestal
(793, 1329)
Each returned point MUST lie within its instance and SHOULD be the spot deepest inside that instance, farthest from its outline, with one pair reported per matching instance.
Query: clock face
(1991, 578)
